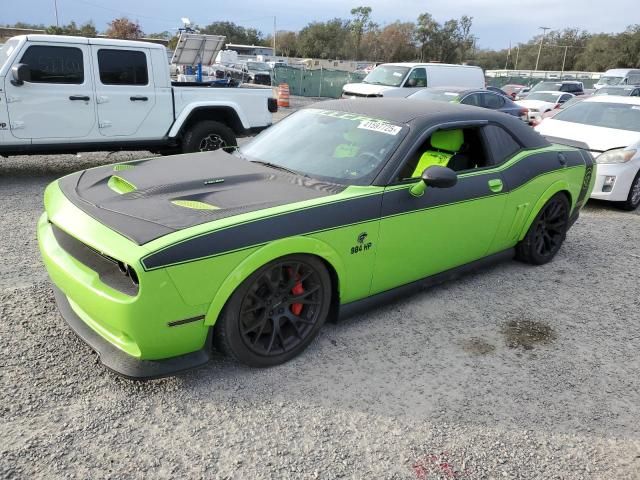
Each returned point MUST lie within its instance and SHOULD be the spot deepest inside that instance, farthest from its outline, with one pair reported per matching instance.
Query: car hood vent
(154, 197)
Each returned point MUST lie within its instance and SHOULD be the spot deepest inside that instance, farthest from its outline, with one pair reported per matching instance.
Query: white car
(610, 127)
(539, 103)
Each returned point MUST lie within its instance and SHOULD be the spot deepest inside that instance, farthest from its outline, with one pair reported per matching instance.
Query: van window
(54, 64)
(122, 67)
(417, 78)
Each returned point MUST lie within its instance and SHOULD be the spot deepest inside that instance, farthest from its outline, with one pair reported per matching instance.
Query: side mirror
(434, 176)
(21, 73)
(411, 82)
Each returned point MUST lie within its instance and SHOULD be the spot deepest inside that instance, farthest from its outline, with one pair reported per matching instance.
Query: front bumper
(624, 174)
(118, 361)
(151, 324)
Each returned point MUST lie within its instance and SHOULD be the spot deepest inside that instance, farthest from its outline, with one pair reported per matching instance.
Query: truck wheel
(207, 136)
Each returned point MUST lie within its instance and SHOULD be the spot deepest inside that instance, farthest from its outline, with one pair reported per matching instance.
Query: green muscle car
(341, 205)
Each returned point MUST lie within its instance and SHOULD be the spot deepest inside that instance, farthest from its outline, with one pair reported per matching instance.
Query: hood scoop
(146, 199)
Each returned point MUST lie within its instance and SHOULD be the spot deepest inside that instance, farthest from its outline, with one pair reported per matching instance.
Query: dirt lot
(513, 372)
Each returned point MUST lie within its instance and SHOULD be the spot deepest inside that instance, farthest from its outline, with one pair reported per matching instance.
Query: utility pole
(274, 36)
(544, 32)
(515, 66)
(55, 7)
(564, 59)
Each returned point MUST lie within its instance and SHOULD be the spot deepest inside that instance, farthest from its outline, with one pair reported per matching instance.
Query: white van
(619, 76)
(403, 79)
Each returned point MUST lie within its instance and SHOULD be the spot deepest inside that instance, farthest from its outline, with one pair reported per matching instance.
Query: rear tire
(207, 136)
(547, 232)
(276, 312)
(633, 199)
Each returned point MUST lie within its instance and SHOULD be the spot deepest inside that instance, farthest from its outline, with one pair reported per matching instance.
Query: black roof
(424, 113)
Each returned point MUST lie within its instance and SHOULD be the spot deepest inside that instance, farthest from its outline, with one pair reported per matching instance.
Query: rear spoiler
(570, 143)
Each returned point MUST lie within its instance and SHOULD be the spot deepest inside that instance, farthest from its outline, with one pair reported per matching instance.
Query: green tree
(85, 30)
(234, 33)
(359, 24)
(329, 40)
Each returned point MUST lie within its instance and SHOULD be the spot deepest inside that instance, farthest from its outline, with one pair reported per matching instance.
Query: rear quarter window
(501, 144)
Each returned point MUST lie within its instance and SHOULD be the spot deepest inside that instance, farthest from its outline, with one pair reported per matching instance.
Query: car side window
(501, 143)
(564, 98)
(122, 67)
(460, 149)
(54, 64)
(474, 99)
(417, 78)
(493, 101)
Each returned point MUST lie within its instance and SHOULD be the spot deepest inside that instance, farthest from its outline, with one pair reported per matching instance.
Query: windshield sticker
(343, 115)
(635, 107)
(397, 74)
(451, 94)
(381, 127)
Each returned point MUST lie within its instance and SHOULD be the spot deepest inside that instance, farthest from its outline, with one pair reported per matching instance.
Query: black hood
(147, 199)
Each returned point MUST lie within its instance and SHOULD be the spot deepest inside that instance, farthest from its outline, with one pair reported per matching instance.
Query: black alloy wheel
(547, 232)
(276, 312)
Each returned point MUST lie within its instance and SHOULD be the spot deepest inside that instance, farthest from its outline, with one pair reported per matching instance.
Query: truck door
(58, 102)
(125, 93)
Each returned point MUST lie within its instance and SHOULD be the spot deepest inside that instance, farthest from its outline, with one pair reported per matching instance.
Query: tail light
(272, 105)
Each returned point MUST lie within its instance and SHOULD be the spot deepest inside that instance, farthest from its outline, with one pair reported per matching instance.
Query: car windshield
(6, 50)
(621, 116)
(609, 80)
(625, 92)
(258, 66)
(389, 75)
(437, 95)
(330, 145)
(548, 86)
(543, 96)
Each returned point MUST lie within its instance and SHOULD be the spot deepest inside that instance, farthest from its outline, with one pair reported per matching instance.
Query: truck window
(122, 67)
(54, 64)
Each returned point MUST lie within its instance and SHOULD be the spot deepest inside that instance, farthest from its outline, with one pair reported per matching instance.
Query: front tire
(207, 136)
(276, 312)
(633, 199)
(547, 232)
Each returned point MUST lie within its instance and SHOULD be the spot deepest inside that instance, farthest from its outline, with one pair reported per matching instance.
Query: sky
(496, 23)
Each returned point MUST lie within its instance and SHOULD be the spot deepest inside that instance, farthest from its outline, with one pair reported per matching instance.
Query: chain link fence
(314, 83)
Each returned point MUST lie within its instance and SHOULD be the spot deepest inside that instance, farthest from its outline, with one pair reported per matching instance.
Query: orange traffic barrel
(283, 95)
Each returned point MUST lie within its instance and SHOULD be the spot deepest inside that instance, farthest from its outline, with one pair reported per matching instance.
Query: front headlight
(619, 155)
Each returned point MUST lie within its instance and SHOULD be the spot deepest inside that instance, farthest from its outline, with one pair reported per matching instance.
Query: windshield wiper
(279, 167)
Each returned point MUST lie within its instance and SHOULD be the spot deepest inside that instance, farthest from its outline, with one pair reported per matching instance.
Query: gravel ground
(515, 372)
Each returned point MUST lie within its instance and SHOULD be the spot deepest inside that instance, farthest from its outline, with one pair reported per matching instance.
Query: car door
(440, 230)
(58, 102)
(125, 92)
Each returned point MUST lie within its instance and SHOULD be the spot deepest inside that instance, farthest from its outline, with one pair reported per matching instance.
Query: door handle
(84, 98)
(138, 99)
(495, 185)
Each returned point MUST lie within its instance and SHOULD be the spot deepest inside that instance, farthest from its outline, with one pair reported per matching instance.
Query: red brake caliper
(298, 289)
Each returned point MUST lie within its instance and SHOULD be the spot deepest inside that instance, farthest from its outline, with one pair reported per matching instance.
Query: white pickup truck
(72, 94)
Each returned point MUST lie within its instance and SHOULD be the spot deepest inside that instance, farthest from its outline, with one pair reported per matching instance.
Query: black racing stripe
(586, 181)
(265, 230)
(539, 164)
(400, 201)
(356, 210)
